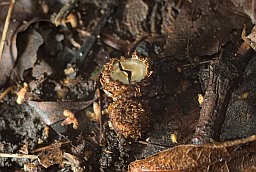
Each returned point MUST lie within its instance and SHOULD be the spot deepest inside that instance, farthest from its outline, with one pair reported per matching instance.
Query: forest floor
(52, 66)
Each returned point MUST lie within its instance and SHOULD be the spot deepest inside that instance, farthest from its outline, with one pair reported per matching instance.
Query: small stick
(102, 138)
(6, 92)
(6, 26)
(224, 75)
(199, 63)
(9, 155)
(49, 146)
(153, 144)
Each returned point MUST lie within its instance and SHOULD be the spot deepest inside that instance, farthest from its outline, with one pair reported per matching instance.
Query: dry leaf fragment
(248, 7)
(251, 39)
(24, 149)
(226, 156)
(74, 161)
(51, 155)
(71, 119)
(30, 167)
(42, 68)
(199, 31)
(52, 112)
(29, 56)
(24, 10)
(21, 94)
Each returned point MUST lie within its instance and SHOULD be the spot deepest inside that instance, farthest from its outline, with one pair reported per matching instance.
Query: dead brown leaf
(200, 31)
(41, 68)
(251, 39)
(248, 7)
(227, 156)
(29, 56)
(52, 112)
(24, 12)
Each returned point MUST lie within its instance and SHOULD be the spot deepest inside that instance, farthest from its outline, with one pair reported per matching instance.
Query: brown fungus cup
(129, 117)
(126, 77)
(126, 80)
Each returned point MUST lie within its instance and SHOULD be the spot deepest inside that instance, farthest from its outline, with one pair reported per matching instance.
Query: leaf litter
(57, 63)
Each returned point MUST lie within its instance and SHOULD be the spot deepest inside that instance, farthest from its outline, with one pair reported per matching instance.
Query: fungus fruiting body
(125, 80)
(129, 117)
(125, 77)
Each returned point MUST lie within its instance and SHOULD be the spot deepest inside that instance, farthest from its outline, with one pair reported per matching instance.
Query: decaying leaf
(251, 39)
(29, 55)
(52, 112)
(41, 68)
(248, 7)
(200, 31)
(51, 155)
(24, 13)
(227, 156)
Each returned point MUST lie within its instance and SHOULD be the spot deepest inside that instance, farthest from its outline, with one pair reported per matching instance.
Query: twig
(223, 77)
(6, 91)
(50, 146)
(9, 155)
(102, 135)
(153, 144)
(89, 41)
(6, 26)
(199, 63)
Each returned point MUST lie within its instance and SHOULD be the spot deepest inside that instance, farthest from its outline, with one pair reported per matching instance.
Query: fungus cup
(126, 80)
(129, 117)
(126, 77)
